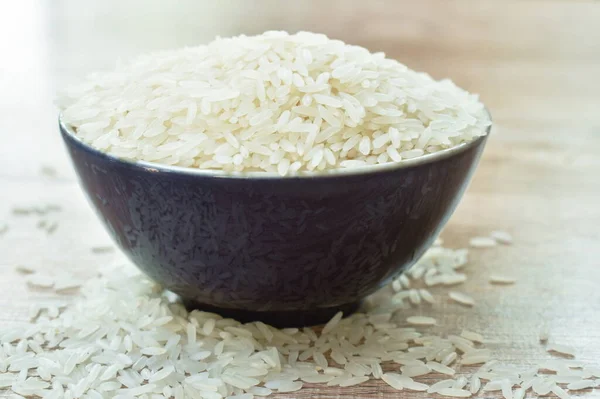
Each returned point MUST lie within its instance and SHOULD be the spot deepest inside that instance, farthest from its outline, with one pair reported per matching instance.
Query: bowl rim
(67, 130)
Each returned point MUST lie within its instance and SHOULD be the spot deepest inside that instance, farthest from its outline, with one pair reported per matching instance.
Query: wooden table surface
(536, 65)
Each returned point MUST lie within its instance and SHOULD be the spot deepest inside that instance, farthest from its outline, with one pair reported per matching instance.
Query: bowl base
(280, 319)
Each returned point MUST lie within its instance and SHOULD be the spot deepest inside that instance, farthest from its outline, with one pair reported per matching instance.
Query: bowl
(289, 251)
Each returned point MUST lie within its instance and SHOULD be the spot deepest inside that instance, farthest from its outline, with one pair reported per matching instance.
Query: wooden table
(535, 63)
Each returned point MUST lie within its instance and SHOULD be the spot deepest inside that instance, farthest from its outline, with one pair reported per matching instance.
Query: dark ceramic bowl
(287, 251)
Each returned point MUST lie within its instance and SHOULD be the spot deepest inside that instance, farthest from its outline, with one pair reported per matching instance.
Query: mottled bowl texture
(288, 251)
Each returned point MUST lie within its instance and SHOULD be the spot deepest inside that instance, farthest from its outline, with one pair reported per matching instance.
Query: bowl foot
(285, 318)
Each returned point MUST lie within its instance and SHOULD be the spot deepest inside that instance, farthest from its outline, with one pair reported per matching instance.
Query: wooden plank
(535, 64)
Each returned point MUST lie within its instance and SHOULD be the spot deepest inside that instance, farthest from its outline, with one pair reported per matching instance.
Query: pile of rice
(125, 338)
(276, 103)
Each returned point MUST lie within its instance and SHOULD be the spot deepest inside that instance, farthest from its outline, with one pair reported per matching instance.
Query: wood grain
(535, 63)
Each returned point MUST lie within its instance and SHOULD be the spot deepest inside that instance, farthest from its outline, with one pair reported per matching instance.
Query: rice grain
(482, 242)
(453, 392)
(225, 105)
(461, 298)
(497, 279)
(421, 320)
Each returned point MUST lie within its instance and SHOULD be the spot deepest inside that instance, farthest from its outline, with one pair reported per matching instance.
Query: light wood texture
(535, 63)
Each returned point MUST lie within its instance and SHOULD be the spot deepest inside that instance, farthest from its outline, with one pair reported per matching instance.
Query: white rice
(415, 371)
(275, 103)
(289, 386)
(594, 371)
(426, 296)
(260, 391)
(558, 391)
(331, 324)
(477, 359)
(482, 242)
(475, 384)
(66, 282)
(498, 279)
(453, 392)
(518, 393)
(541, 386)
(317, 379)
(449, 359)
(353, 381)
(404, 281)
(376, 370)
(472, 336)
(394, 380)
(414, 385)
(460, 382)
(421, 320)
(461, 298)
(507, 389)
(103, 249)
(97, 348)
(40, 280)
(440, 385)
(48, 171)
(440, 368)
(414, 297)
(453, 279)
(581, 384)
(502, 237)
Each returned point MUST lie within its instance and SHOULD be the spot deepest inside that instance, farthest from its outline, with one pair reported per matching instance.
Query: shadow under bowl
(289, 251)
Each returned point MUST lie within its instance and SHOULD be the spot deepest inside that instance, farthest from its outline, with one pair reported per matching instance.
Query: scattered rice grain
(461, 298)
(482, 242)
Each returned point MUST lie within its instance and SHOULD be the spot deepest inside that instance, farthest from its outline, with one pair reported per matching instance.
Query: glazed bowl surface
(288, 251)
